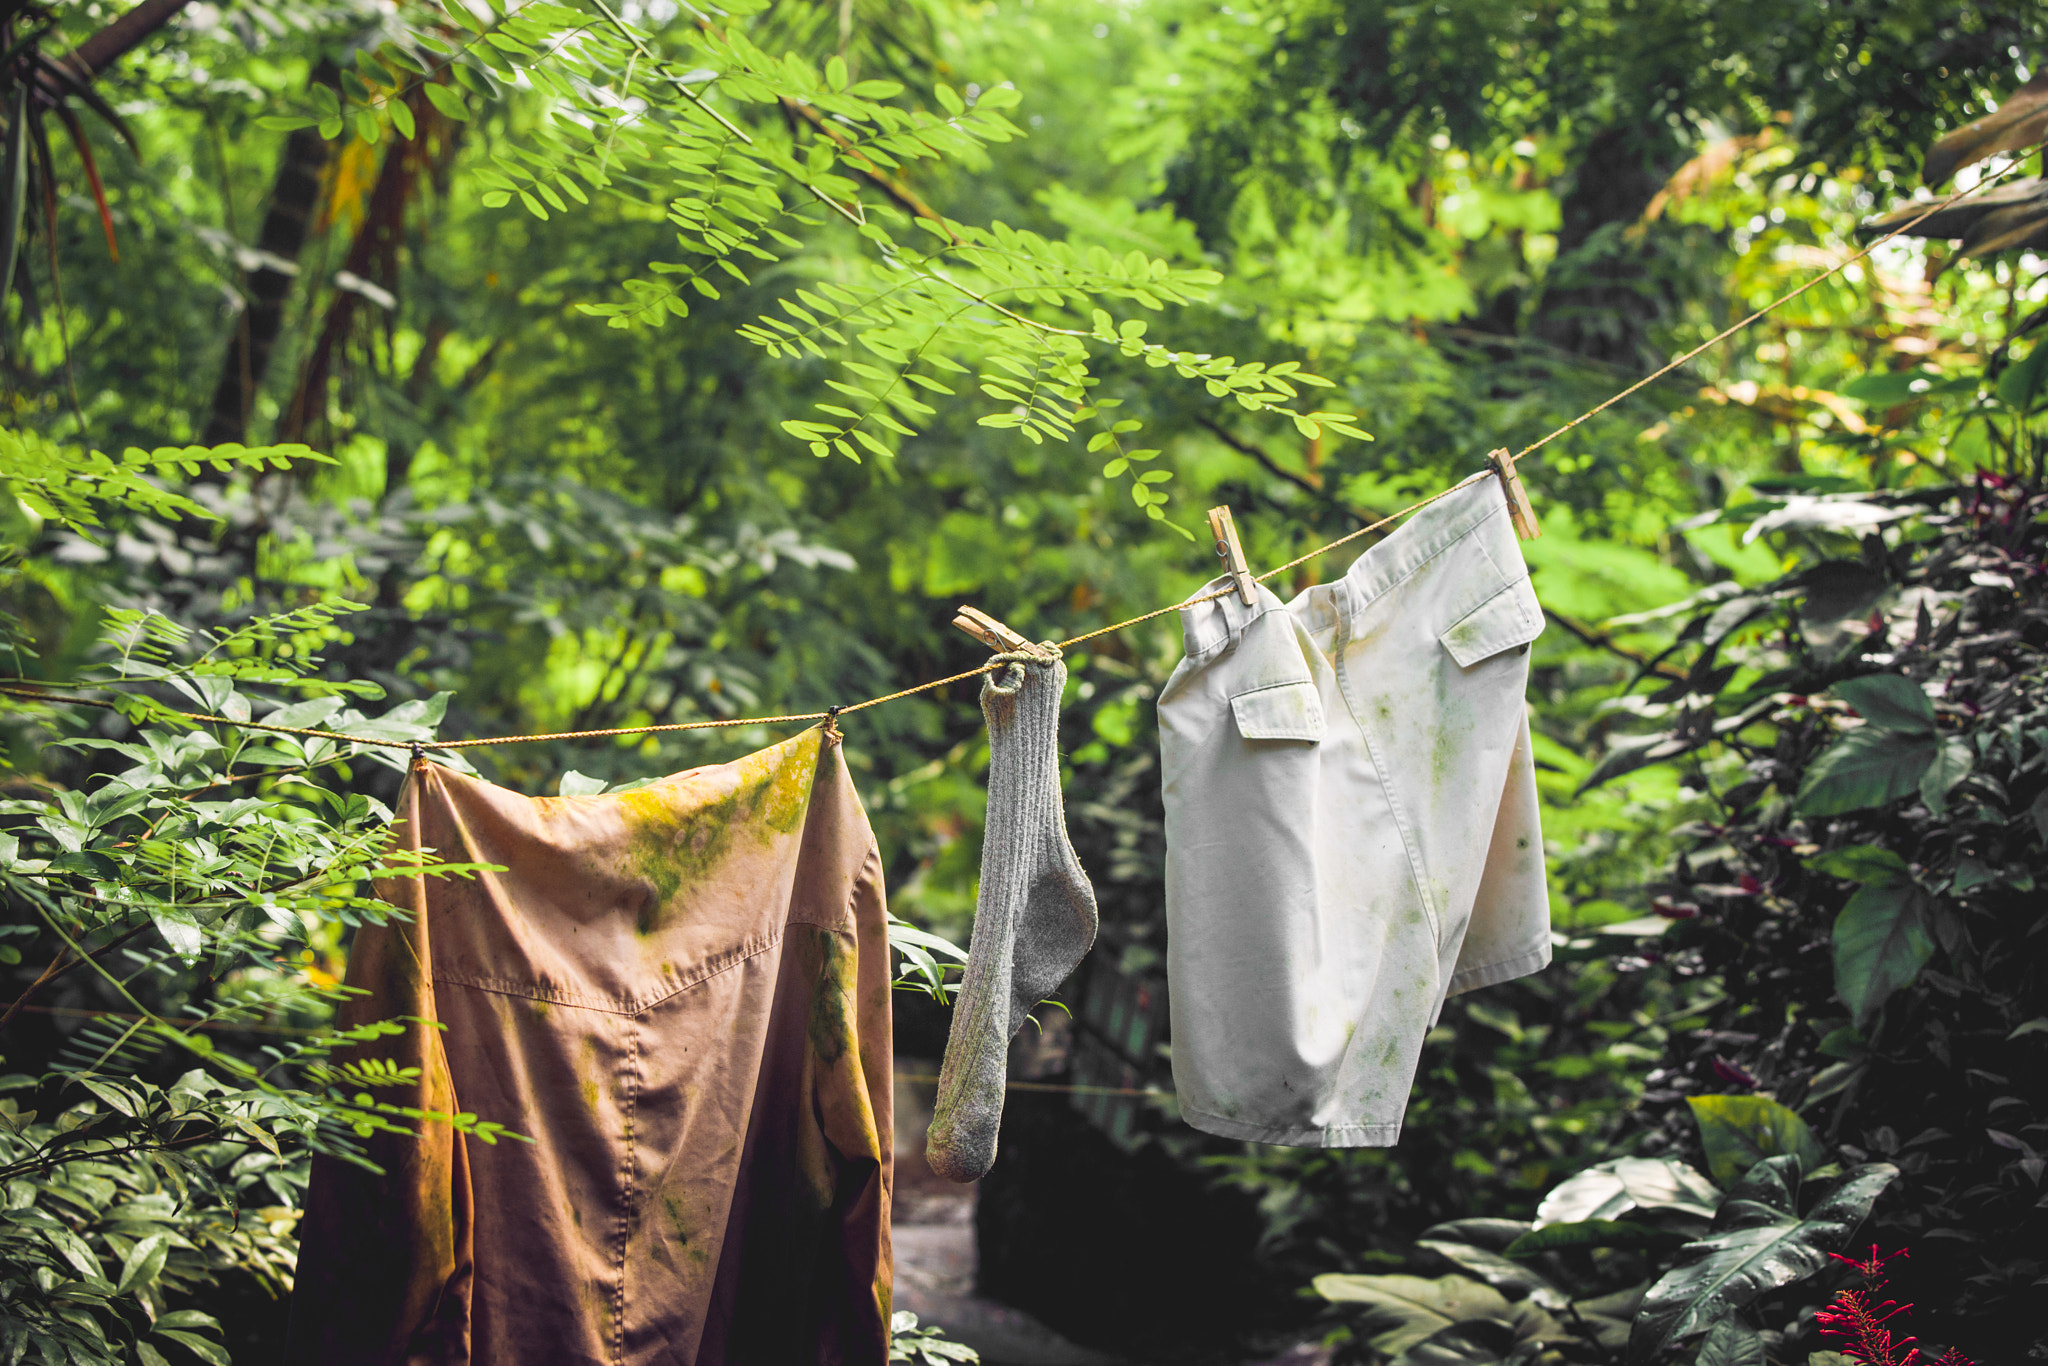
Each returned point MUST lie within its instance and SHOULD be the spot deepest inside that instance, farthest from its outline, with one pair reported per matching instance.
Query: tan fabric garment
(681, 994)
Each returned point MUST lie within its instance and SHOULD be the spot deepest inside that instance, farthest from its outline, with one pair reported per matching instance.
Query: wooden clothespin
(1519, 511)
(1224, 528)
(995, 635)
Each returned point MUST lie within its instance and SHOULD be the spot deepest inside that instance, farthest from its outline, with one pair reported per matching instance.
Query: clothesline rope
(25, 687)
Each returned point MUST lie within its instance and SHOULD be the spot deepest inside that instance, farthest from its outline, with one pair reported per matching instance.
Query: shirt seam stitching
(577, 1001)
(1269, 687)
(1376, 1127)
(1535, 950)
(627, 1169)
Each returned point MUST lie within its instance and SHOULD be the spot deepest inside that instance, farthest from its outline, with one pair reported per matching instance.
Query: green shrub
(1874, 731)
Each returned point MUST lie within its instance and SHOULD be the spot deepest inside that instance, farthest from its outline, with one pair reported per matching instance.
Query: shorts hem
(1297, 1136)
(1507, 969)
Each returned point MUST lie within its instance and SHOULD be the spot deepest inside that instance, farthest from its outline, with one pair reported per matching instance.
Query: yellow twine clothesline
(24, 687)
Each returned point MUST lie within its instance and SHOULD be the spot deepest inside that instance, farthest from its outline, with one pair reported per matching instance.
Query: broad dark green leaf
(1740, 1131)
(1404, 1310)
(1888, 389)
(74, 1250)
(1491, 1234)
(1882, 940)
(205, 1350)
(1952, 763)
(145, 1261)
(1889, 701)
(1611, 1189)
(1869, 863)
(117, 1098)
(1512, 1279)
(2020, 383)
(1731, 1343)
(1473, 1342)
(1595, 1233)
(1865, 768)
(1839, 589)
(1757, 1244)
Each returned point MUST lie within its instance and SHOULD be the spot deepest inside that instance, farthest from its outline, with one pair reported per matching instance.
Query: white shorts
(1351, 827)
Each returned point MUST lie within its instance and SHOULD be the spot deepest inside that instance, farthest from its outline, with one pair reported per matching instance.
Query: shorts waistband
(1378, 569)
(1383, 567)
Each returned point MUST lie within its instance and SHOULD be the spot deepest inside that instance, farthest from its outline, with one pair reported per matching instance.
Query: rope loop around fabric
(1006, 671)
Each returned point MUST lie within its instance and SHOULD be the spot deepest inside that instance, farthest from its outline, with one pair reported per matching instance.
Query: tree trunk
(294, 197)
(373, 256)
(117, 39)
(1598, 304)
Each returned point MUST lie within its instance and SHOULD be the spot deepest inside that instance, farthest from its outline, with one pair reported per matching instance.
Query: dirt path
(933, 1223)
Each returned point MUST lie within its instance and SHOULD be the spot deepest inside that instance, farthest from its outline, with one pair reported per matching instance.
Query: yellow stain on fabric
(674, 849)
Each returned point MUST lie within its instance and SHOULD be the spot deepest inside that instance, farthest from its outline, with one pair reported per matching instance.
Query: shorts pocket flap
(1284, 711)
(1509, 618)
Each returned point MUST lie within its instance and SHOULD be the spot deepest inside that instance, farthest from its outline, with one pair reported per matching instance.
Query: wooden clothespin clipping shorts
(1224, 528)
(1519, 511)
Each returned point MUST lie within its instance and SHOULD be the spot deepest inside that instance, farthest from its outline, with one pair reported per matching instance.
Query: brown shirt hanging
(681, 995)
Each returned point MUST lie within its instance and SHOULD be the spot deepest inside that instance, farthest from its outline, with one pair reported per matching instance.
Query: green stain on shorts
(1467, 637)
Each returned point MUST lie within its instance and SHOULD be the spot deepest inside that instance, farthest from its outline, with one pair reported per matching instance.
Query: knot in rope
(1006, 670)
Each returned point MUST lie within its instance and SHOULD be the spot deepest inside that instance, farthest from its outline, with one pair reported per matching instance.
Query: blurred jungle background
(573, 364)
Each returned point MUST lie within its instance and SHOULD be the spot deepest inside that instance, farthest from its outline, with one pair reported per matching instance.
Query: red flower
(1858, 1319)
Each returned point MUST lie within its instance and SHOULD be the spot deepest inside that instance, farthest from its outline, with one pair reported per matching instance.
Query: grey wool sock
(1034, 919)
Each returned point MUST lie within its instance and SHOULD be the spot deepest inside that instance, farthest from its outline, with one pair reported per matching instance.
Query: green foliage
(1882, 939)
(671, 125)
(1874, 919)
(64, 484)
(1589, 1233)
(926, 1346)
(1890, 757)
(925, 960)
(1738, 1132)
(1730, 1343)
(1758, 1242)
(1607, 1190)
(1524, 1291)
(129, 1200)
